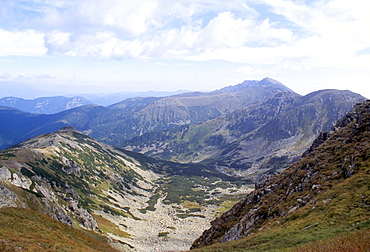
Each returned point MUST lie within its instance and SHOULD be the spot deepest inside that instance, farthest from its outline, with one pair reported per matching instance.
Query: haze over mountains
(44, 105)
(201, 152)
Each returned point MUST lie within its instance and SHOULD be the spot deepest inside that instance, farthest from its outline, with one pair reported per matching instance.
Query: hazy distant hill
(44, 105)
(109, 99)
(323, 195)
(186, 109)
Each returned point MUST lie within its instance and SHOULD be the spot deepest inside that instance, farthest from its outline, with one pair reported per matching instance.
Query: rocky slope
(324, 194)
(136, 202)
(263, 137)
(44, 105)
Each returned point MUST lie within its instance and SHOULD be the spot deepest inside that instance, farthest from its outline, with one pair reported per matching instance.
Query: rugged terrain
(243, 130)
(134, 201)
(323, 195)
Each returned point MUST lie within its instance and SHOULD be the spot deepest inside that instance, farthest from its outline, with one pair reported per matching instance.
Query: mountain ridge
(133, 117)
(255, 138)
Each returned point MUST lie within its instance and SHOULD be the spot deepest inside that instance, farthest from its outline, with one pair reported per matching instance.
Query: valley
(135, 201)
(153, 173)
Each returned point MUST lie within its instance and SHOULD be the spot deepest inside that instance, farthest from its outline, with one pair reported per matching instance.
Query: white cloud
(131, 16)
(322, 33)
(57, 41)
(4, 76)
(332, 31)
(255, 71)
(25, 43)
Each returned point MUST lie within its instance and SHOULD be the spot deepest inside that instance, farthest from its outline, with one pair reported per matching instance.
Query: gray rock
(84, 217)
(7, 197)
(5, 173)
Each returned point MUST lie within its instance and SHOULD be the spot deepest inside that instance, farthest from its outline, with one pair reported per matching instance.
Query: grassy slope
(27, 230)
(355, 241)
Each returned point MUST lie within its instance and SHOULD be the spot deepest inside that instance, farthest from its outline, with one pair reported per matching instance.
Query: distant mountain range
(109, 99)
(246, 129)
(135, 116)
(44, 105)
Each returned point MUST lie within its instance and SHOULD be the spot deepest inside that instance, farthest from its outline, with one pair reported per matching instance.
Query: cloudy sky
(105, 46)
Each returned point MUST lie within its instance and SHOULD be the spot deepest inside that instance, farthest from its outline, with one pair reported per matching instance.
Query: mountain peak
(274, 83)
(266, 83)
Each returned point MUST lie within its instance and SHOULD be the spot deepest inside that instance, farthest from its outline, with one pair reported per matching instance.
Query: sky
(105, 46)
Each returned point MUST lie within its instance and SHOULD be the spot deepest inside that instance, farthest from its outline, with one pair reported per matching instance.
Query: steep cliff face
(325, 192)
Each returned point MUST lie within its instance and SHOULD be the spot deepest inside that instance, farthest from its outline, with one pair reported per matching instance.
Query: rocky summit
(324, 194)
